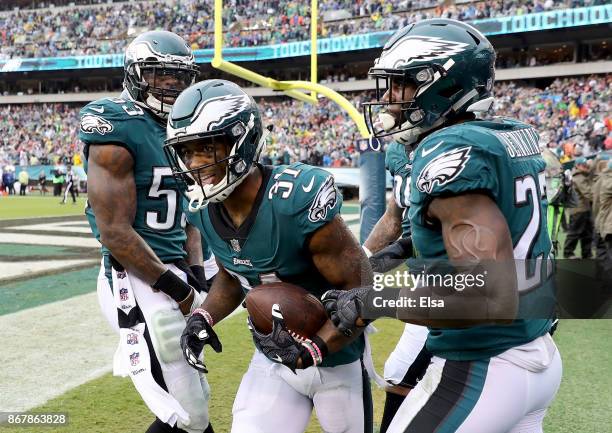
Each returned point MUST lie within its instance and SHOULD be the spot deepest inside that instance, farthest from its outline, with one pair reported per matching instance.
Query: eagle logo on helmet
(326, 198)
(216, 110)
(418, 49)
(91, 123)
(443, 169)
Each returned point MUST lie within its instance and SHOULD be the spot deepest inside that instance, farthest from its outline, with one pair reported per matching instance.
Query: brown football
(303, 312)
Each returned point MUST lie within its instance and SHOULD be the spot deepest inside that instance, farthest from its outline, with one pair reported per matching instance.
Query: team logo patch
(121, 274)
(326, 199)
(215, 111)
(123, 294)
(132, 338)
(443, 169)
(418, 49)
(90, 123)
(135, 358)
(235, 245)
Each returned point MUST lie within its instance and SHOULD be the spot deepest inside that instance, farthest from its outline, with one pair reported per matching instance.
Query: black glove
(196, 334)
(390, 257)
(280, 345)
(344, 307)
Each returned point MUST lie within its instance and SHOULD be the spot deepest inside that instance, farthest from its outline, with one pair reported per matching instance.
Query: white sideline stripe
(10, 270)
(64, 241)
(50, 349)
(55, 227)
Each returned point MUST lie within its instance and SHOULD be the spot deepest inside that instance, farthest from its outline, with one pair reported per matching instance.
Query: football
(303, 312)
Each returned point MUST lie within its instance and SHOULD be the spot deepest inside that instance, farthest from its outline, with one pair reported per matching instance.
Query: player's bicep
(338, 256)
(473, 227)
(111, 185)
(478, 242)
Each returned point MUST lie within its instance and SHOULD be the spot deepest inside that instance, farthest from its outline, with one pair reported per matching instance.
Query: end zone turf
(110, 404)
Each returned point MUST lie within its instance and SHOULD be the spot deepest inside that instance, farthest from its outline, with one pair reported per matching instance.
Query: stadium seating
(100, 29)
(571, 110)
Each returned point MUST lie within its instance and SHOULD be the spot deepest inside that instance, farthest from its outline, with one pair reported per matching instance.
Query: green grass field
(109, 404)
(33, 206)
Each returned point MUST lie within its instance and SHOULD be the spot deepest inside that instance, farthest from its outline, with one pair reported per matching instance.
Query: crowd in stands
(107, 28)
(572, 115)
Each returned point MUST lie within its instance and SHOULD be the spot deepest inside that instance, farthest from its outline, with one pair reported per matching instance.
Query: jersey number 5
(155, 219)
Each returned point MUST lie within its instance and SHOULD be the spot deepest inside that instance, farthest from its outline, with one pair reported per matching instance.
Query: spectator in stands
(24, 180)
(580, 227)
(102, 29)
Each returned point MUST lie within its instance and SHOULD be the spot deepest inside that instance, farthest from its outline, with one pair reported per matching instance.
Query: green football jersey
(159, 218)
(500, 158)
(272, 243)
(399, 165)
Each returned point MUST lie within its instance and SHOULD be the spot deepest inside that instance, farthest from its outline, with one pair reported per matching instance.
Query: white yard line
(10, 270)
(50, 349)
(66, 227)
(22, 238)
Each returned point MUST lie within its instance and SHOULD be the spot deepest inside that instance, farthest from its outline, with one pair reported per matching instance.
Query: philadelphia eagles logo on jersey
(443, 169)
(91, 123)
(325, 199)
(215, 111)
(416, 49)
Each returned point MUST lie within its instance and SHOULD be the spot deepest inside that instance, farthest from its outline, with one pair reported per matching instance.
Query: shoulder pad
(313, 197)
(104, 120)
(453, 161)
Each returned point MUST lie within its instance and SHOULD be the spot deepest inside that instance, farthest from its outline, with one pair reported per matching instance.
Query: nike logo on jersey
(278, 359)
(309, 187)
(426, 152)
(97, 109)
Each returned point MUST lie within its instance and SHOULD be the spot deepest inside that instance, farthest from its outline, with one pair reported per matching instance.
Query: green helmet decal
(449, 65)
(214, 110)
(150, 60)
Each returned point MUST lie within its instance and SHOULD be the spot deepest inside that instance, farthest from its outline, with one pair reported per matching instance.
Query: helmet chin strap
(156, 104)
(407, 136)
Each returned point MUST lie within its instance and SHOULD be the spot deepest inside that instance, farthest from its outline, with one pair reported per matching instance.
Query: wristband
(316, 348)
(206, 315)
(173, 286)
(367, 251)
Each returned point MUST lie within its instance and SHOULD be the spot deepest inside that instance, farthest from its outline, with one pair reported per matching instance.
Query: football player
(268, 224)
(134, 210)
(477, 195)
(387, 246)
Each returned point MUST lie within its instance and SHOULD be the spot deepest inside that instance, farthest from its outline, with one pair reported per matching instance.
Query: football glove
(345, 307)
(282, 347)
(391, 256)
(198, 278)
(196, 335)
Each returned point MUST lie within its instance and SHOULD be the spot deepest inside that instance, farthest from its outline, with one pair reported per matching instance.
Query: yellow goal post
(295, 89)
